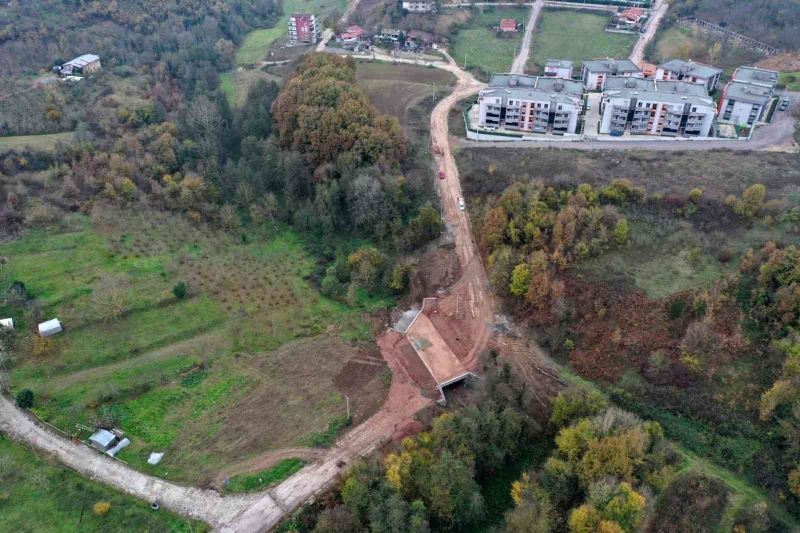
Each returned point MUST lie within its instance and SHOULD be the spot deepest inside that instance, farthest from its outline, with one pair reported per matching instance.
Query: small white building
(85, 64)
(49, 328)
(678, 69)
(559, 68)
(650, 107)
(530, 103)
(746, 98)
(7, 323)
(103, 440)
(419, 7)
(595, 72)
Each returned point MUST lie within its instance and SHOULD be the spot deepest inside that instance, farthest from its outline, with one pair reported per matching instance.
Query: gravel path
(518, 67)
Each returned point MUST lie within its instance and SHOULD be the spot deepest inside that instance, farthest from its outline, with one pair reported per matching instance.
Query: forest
(774, 22)
(714, 363)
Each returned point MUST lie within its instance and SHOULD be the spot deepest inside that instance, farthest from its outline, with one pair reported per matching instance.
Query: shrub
(751, 202)
(179, 290)
(101, 508)
(695, 195)
(25, 399)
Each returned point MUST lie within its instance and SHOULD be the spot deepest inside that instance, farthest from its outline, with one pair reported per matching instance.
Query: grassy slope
(38, 496)
(135, 368)
(678, 42)
(395, 88)
(257, 42)
(266, 478)
(567, 34)
(45, 143)
(485, 49)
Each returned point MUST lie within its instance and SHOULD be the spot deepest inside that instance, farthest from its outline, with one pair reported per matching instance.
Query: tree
(794, 481)
(520, 277)
(621, 231)
(25, 399)
(179, 290)
(584, 519)
(366, 267)
(751, 202)
(574, 403)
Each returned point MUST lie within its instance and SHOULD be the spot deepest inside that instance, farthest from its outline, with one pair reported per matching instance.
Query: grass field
(252, 346)
(256, 43)
(394, 88)
(567, 34)
(43, 143)
(237, 83)
(483, 49)
(38, 496)
(266, 478)
(790, 80)
(676, 42)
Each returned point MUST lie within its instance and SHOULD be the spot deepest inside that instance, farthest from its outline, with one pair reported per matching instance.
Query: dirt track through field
(637, 54)
(263, 511)
(518, 67)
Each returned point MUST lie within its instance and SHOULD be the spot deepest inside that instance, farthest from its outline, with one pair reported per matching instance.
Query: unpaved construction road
(660, 9)
(263, 511)
(518, 66)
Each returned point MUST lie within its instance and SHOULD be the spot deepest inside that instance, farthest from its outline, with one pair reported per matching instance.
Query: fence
(741, 40)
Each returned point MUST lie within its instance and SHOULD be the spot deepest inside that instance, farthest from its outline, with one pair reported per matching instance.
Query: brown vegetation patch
(788, 62)
(297, 394)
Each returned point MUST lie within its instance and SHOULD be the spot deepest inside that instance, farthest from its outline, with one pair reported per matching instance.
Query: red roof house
(508, 25)
(632, 14)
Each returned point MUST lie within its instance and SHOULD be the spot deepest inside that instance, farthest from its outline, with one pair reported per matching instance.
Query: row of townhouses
(673, 101)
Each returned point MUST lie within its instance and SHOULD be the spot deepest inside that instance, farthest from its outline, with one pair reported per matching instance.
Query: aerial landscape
(400, 266)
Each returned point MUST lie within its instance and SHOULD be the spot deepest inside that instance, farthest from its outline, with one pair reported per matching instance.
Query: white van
(461, 204)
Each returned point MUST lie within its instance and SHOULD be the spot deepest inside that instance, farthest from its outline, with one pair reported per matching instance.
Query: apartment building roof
(520, 86)
(559, 63)
(671, 92)
(748, 92)
(690, 68)
(611, 66)
(756, 76)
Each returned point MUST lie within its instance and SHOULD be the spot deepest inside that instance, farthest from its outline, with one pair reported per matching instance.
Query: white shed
(51, 327)
(7, 323)
(102, 439)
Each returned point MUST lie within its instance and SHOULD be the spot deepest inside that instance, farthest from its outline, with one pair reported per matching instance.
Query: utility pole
(465, 61)
(347, 399)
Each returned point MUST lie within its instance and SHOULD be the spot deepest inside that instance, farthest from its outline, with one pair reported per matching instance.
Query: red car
(441, 174)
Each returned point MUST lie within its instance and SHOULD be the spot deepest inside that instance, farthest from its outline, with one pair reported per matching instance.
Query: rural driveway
(518, 67)
(637, 55)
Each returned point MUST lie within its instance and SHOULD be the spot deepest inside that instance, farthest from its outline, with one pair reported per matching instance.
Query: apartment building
(595, 72)
(747, 97)
(651, 107)
(303, 28)
(559, 68)
(531, 103)
(678, 69)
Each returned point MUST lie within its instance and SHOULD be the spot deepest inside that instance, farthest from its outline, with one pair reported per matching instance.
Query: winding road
(263, 511)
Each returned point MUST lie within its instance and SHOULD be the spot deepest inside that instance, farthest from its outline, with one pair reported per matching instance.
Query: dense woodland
(717, 366)
(774, 22)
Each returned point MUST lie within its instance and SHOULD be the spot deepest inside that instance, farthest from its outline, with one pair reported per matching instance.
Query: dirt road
(261, 512)
(637, 55)
(518, 67)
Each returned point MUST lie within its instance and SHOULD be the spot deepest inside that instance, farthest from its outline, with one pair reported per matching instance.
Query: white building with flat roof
(746, 98)
(559, 68)
(595, 72)
(678, 69)
(531, 103)
(651, 107)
